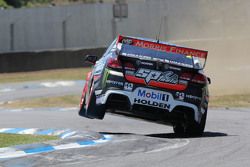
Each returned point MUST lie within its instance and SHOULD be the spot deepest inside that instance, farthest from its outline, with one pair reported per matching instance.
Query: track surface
(28, 90)
(138, 143)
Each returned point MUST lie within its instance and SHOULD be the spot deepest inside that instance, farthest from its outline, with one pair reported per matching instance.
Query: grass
(60, 74)
(7, 140)
(61, 101)
(73, 101)
(241, 100)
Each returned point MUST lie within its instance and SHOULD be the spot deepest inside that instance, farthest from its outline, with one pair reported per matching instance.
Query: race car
(149, 79)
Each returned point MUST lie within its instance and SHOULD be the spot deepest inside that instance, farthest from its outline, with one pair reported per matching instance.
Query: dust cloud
(226, 28)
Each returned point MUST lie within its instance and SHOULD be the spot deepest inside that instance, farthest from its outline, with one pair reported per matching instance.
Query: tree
(3, 4)
(25, 3)
(15, 3)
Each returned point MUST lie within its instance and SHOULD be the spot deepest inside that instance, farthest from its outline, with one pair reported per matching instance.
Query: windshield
(154, 55)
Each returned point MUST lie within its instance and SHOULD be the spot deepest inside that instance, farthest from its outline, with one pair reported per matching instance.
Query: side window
(109, 48)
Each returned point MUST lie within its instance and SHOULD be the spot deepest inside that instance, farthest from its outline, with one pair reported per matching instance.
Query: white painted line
(60, 132)
(6, 90)
(69, 108)
(28, 131)
(68, 134)
(4, 129)
(16, 110)
(106, 138)
(58, 84)
(13, 154)
(67, 146)
(175, 146)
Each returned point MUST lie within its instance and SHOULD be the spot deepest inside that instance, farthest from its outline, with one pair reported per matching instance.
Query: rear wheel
(191, 127)
(178, 129)
(196, 129)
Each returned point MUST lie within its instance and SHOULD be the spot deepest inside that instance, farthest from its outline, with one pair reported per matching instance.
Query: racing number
(142, 73)
(148, 74)
(180, 95)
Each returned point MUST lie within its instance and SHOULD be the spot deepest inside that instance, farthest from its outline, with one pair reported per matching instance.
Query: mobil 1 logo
(152, 98)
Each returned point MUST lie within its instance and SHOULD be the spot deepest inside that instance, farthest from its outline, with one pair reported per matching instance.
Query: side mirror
(91, 59)
(209, 80)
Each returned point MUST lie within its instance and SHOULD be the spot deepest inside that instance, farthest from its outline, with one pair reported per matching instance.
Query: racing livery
(151, 80)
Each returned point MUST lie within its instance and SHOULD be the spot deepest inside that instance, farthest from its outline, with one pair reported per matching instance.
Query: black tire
(178, 129)
(93, 110)
(96, 111)
(195, 129)
(82, 111)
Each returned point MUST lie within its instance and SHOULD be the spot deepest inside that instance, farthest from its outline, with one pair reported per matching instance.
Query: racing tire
(195, 129)
(178, 129)
(93, 110)
(82, 111)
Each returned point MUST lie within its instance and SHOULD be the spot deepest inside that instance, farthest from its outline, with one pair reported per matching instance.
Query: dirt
(227, 65)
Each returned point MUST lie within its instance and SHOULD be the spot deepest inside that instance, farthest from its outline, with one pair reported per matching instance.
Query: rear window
(154, 55)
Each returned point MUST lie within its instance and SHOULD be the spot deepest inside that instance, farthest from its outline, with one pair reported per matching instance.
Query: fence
(94, 25)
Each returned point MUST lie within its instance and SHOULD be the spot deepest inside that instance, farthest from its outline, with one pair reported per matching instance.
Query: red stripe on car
(167, 85)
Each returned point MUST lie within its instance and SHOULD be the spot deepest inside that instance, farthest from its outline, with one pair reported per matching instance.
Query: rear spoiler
(200, 54)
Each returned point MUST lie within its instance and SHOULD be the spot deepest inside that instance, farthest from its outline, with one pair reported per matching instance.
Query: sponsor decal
(174, 68)
(169, 48)
(114, 83)
(147, 63)
(148, 75)
(152, 98)
(152, 103)
(193, 97)
(152, 95)
(97, 92)
(129, 72)
(183, 82)
(150, 45)
(128, 86)
(163, 47)
(180, 95)
(127, 41)
(142, 57)
(100, 99)
(136, 56)
(105, 77)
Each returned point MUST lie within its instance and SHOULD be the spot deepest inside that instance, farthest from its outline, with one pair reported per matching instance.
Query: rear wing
(199, 56)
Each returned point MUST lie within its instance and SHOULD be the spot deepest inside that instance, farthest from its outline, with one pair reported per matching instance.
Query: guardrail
(33, 61)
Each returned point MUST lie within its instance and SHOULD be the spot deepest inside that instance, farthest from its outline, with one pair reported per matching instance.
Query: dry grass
(61, 74)
(234, 100)
(73, 101)
(62, 101)
(230, 101)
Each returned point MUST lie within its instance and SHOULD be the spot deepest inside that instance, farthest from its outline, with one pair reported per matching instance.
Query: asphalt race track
(135, 142)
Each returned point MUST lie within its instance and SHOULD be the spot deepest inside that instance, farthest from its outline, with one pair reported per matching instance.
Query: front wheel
(82, 111)
(92, 109)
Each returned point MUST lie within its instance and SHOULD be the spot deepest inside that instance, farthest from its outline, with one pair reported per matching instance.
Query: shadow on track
(171, 135)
